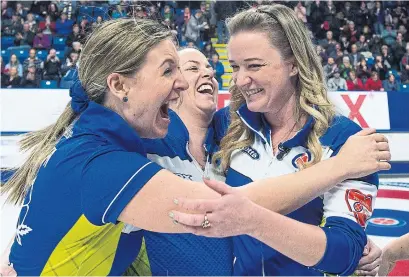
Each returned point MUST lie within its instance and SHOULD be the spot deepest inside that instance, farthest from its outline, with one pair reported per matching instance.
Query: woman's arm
(395, 251)
(148, 209)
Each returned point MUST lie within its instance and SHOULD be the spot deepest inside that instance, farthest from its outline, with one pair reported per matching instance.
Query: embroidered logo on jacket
(301, 159)
(360, 204)
(251, 152)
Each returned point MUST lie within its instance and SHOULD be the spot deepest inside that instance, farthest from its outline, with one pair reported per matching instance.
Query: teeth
(253, 91)
(205, 87)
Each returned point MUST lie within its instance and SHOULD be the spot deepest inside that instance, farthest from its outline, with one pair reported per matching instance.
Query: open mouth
(206, 88)
(164, 110)
(251, 92)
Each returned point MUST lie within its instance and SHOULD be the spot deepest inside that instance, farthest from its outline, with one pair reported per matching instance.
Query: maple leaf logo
(22, 230)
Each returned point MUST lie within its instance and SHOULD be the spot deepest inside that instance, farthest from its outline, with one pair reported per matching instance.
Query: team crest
(360, 204)
(300, 160)
(251, 152)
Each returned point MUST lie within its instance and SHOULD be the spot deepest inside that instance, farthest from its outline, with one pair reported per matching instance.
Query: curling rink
(39, 108)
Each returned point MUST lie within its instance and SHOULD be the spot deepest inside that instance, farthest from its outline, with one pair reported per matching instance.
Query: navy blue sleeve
(221, 121)
(110, 181)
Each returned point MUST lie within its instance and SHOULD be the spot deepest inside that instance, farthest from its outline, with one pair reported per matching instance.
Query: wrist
(338, 169)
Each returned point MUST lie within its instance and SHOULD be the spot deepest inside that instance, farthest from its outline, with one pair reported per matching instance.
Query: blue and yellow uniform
(182, 254)
(342, 212)
(68, 224)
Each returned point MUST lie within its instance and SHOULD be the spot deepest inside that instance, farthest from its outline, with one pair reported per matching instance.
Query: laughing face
(260, 73)
(201, 96)
(149, 92)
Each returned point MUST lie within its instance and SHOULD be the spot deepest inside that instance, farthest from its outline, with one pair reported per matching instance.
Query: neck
(197, 124)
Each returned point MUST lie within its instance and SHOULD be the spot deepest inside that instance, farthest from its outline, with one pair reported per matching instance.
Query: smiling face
(260, 73)
(201, 96)
(149, 92)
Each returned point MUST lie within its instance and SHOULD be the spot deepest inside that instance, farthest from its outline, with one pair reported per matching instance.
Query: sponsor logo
(251, 152)
(185, 176)
(301, 159)
(360, 204)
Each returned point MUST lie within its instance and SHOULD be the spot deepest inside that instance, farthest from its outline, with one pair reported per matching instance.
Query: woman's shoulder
(340, 129)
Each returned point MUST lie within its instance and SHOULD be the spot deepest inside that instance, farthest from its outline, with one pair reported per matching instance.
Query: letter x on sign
(354, 113)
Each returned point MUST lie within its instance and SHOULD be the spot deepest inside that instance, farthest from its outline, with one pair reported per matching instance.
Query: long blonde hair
(115, 46)
(288, 34)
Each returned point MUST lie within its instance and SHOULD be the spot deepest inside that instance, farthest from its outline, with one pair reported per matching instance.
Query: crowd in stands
(362, 44)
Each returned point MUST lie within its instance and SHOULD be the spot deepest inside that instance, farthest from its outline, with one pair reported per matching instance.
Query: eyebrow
(169, 60)
(249, 60)
(191, 61)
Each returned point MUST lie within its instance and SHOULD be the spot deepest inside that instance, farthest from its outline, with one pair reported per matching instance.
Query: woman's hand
(230, 215)
(364, 153)
(370, 261)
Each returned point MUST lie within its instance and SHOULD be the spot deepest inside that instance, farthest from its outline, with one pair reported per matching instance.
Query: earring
(125, 99)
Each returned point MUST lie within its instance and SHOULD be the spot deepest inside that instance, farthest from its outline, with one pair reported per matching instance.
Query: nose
(180, 84)
(241, 78)
(208, 73)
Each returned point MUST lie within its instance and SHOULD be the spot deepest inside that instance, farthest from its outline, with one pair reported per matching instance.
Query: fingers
(367, 273)
(366, 132)
(384, 156)
(218, 186)
(379, 138)
(384, 166)
(198, 205)
(370, 266)
(193, 220)
(382, 146)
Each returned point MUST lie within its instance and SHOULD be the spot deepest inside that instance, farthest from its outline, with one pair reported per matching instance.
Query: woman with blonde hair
(282, 122)
(88, 174)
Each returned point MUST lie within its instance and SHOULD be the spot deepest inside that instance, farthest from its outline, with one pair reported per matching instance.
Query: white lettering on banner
(368, 109)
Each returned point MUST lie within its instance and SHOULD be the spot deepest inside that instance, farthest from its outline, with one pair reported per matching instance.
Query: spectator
(41, 41)
(330, 68)
(405, 65)
(32, 23)
(218, 69)
(375, 45)
(345, 67)
(85, 26)
(363, 72)
(321, 54)
(52, 67)
(301, 12)
(98, 21)
(351, 33)
(208, 50)
(224, 9)
(329, 44)
(168, 13)
(362, 17)
(339, 54)
(119, 12)
(387, 58)
(26, 37)
(31, 78)
(63, 25)
(75, 36)
(379, 67)
(76, 48)
(14, 62)
(389, 35)
(39, 7)
(3, 66)
(391, 84)
(329, 12)
(53, 12)
(13, 80)
(316, 14)
(33, 60)
(194, 27)
(349, 12)
(404, 32)
(6, 11)
(354, 83)
(12, 27)
(378, 18)
(20, 11)
(355, 57)
(398, 49)
(373, 83)
(362, 44)
(47, 26)
(153, 13)
(367, 32)
(70, 64)
(337, 82)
